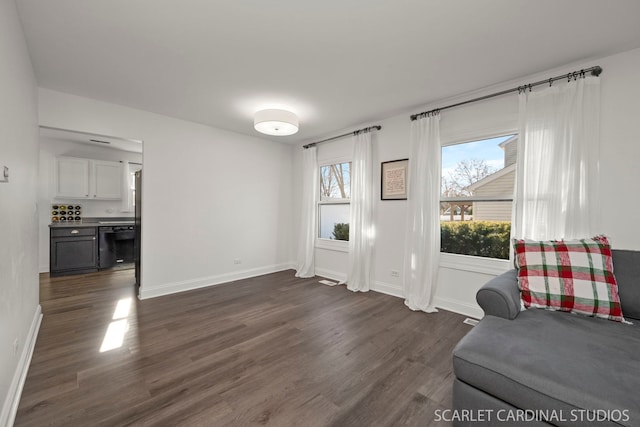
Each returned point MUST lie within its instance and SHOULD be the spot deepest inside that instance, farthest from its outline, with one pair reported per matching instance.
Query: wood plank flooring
(272, 350)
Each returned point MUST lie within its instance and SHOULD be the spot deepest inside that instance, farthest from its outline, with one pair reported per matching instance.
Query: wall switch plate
(4, 176)
(395, 273)
(237, 261)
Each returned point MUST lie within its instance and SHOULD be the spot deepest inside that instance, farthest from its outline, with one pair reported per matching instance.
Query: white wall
(460, 277)
(620, 152)
(50, 149)
(209, 196)
(19, 309)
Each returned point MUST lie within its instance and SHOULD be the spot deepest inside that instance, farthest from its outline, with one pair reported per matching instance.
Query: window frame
(323, 243)
(132, 168)
(476, 263)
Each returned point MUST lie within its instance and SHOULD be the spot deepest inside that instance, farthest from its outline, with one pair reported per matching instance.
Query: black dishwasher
(115, 245)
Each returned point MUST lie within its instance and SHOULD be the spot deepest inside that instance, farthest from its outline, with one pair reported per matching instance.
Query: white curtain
(361, 228)
(557, 173)
(309, 214)
(422, 251)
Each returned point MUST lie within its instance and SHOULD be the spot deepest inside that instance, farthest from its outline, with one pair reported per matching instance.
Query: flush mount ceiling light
(276, 122)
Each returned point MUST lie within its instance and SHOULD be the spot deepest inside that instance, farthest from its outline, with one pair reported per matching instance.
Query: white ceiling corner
(105, 141)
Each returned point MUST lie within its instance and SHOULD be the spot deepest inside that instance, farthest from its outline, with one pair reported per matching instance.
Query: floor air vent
(328, 282)
(469, 321)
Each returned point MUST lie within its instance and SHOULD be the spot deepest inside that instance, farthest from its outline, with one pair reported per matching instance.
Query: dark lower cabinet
(73, 250)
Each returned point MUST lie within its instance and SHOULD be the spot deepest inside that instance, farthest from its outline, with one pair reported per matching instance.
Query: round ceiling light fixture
(276, 122)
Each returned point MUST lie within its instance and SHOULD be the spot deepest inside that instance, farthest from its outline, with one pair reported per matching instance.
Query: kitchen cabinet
(73, 250)
(78, 178)
(107, 179)
(72, 177)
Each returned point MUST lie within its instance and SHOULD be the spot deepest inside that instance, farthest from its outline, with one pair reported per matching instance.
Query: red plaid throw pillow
(568, 275)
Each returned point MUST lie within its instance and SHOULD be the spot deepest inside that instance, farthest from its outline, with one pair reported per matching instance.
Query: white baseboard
(464, 308)
(455, 306)
(330, 274)
(203, 282)
(10, 406)
(386, 288)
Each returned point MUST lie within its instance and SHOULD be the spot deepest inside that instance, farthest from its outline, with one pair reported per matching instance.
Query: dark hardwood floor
(272, 350)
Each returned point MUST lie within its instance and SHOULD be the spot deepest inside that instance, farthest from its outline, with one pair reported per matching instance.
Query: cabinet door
(73, 253)
(107, 179)
(72, 178)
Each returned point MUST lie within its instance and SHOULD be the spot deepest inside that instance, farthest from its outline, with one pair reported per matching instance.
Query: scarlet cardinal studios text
(522, 415)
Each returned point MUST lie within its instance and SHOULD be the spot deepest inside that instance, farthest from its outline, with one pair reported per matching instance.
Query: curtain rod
(355, 132)
(595, 71)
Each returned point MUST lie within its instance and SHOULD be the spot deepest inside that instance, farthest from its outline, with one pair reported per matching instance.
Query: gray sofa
(539, 367)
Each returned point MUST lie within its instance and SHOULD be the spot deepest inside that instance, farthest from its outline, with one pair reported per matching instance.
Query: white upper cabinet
(72, 178)
(88, 179)
(107, 179)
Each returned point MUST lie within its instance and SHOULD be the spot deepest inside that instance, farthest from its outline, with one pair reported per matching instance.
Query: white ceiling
(336, 63)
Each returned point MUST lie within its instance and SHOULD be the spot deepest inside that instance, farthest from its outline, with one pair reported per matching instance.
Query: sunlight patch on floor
(122, 309)
(114, 337)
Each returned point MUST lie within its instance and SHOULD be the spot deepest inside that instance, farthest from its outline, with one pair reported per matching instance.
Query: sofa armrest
(500, 296)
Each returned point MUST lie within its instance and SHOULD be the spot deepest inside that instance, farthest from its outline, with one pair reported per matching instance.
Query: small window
(132, 168)
(476, 201)
(335, 197)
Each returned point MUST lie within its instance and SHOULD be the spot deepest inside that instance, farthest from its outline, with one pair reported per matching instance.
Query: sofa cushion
(568, 275)
(545, 359)
(626, 266)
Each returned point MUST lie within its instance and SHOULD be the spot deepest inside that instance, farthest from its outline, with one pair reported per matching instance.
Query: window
(132, 168)
(334, 206)
(476, 201)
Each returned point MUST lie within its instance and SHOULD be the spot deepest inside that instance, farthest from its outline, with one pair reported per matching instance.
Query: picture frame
(394, 179)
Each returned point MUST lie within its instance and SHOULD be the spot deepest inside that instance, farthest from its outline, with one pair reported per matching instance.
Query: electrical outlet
(15, 346)
(237, 261)
(395, 273)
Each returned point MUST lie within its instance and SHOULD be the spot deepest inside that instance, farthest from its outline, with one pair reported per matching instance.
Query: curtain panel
(305, 266)
(361, 228)
(557, 184)
(422, 236)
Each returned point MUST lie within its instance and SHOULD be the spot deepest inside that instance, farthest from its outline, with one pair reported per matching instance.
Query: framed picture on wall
(394, 179)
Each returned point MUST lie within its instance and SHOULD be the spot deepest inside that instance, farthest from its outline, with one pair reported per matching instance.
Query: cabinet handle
(74, 231)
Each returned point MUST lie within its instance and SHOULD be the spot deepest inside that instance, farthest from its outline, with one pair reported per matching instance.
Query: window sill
(474, 264)
(332, 245)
